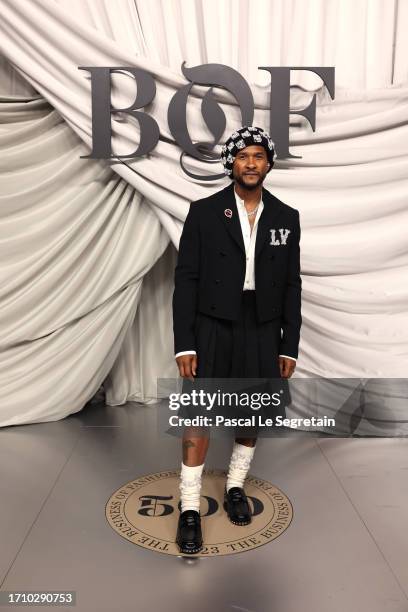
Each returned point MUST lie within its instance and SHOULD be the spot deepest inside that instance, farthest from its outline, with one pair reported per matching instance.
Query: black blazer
(210, 271)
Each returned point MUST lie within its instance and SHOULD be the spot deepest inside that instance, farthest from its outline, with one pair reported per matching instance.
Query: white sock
(190, 487)
(239, 465)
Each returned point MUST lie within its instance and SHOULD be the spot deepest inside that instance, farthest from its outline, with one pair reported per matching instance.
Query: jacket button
(217, 280)
(212, 306)
(271, 256)
(273, 309)
(222, 254)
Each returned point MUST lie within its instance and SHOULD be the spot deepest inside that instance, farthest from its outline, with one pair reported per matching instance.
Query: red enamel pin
(228, 213)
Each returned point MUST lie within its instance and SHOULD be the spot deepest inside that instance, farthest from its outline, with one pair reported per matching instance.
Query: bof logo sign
(209, 75)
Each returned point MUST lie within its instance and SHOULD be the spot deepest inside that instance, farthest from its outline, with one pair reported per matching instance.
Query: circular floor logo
(145, 511)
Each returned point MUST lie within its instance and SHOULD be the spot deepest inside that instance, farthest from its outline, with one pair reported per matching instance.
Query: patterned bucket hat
(245, 137)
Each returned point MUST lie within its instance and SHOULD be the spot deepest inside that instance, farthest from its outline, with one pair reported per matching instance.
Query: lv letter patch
(284, 233)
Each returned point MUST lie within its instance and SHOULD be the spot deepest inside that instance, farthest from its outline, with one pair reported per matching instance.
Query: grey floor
(346, 549)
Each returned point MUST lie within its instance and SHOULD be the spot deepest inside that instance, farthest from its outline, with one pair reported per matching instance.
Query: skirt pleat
(238, 349)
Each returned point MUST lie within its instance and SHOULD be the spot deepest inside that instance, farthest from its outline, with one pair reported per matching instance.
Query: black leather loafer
(236, 506)
(189, 537)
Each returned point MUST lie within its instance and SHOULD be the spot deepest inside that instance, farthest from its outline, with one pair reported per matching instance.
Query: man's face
(250, 166)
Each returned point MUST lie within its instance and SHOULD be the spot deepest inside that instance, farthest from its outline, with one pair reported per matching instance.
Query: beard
(249, 186)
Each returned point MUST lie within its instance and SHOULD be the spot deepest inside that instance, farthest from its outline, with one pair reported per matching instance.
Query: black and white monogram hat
(245, 137)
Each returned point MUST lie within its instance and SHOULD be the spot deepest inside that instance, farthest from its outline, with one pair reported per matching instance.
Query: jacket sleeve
(186, 279)
(291, 315)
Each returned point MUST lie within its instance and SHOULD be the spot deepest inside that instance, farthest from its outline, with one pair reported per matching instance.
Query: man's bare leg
(195, 445)
(246, 441)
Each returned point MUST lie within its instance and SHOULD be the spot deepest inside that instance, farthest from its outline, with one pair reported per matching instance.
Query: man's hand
(287, 367)
(187, 365)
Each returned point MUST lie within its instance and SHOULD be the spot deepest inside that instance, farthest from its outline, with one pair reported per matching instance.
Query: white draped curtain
(88, 248)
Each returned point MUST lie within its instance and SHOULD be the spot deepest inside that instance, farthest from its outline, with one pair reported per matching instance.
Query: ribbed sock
(239, 465)
(190, 487)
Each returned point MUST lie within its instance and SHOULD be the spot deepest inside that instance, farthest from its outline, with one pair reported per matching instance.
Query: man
(236, 307)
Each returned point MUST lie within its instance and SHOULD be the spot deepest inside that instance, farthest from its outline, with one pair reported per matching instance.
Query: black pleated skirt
(238, 349)
(239, 356)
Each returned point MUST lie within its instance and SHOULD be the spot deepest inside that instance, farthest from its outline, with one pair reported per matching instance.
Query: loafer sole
(188, 551)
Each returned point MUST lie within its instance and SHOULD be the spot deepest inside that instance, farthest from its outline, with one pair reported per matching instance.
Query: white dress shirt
(249, 240)
(249, 243)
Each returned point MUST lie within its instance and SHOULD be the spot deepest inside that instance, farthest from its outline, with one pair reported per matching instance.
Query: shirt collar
(241, 203)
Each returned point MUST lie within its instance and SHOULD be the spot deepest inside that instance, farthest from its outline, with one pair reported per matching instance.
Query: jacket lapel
(269, 215)
(227, 201)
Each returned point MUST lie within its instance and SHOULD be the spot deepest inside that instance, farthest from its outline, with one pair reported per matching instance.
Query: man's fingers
(180, 367)
(194, 365)
(187, 365)
(286, 367)
(187, 369)
(290, 367)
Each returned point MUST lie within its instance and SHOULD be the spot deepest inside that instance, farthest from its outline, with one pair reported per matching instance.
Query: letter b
(102, 110)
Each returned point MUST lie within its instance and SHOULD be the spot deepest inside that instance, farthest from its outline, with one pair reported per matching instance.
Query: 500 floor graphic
(145, 512)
